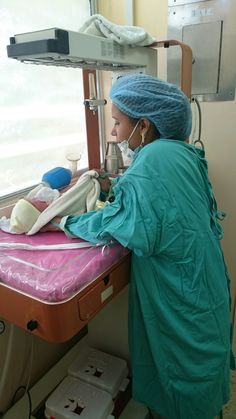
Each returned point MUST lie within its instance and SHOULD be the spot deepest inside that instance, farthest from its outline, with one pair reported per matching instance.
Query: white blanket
(78, 199)
(81, 197)
(125, 35)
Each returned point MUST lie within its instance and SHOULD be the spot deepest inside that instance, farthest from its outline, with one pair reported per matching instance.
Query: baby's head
(24, 215)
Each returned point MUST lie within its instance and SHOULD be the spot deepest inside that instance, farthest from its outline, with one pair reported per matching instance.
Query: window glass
(42, 117)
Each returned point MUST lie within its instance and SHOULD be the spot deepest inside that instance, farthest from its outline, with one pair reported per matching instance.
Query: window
(42, 117)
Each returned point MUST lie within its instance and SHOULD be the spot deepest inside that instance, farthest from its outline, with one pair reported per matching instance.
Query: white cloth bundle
(78, 199)
(98, 25)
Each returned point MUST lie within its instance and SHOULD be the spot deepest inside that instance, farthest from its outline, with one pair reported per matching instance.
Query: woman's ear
(148, 131)
(143, 129)
(144, 126)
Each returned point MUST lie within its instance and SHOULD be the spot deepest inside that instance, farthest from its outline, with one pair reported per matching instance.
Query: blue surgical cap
(162, 103)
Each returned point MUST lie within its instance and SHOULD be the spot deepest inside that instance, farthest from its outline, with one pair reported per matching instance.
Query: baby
(27, 210)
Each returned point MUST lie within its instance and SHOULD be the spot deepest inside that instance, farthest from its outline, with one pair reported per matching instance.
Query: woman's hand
(104, 180)
(105, 184)
(52, 226)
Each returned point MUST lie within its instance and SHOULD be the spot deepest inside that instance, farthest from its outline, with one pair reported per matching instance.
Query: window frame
(93, 149)
(93, 137)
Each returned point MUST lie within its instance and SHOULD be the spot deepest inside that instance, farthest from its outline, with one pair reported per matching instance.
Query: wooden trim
(92, 127)
(186, 65)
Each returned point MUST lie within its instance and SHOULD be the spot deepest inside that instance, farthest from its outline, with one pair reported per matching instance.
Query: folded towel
(124, 35)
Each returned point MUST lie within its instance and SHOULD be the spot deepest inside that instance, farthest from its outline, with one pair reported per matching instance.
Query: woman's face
(123, 127)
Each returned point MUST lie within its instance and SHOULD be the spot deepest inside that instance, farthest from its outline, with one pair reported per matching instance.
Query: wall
(219, 127)
(218, 120)
(24, 359)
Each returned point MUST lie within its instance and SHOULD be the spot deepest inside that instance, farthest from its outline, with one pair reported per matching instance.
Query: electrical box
(74, 398)
(208, 27)
(100, 369)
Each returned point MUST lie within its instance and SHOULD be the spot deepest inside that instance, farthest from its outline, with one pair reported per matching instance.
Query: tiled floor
(230, 409)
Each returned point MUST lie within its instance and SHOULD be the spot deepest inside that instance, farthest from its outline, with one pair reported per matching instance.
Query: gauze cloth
(162, 103)
(124, 35)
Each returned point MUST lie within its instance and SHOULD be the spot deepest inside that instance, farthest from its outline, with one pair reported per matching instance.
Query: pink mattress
(53, 275)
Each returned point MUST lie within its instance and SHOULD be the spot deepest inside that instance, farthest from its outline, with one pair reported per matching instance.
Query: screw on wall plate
(2, 327)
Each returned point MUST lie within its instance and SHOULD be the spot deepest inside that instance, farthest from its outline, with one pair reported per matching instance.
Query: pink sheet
(66, 272)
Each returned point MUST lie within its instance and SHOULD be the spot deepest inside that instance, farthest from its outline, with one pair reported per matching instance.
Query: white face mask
(124, 146)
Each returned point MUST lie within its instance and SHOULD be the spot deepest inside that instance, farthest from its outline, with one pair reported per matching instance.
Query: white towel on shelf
(98, 25)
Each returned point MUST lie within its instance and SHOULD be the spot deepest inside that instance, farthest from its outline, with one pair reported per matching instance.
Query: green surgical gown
(179, 312)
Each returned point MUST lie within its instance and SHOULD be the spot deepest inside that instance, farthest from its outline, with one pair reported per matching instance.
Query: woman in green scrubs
(163, 209)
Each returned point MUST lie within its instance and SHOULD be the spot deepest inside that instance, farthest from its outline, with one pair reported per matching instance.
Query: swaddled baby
(32, 213)
(27, 210)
